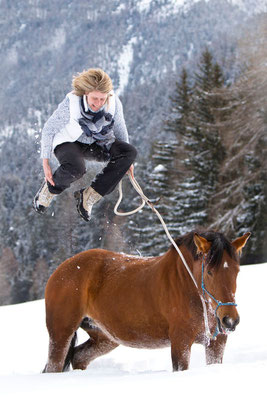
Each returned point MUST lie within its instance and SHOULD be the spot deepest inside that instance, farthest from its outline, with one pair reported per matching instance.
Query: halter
(219, 303)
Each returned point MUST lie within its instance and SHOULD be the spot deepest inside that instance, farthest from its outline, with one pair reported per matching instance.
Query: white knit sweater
(63, 125)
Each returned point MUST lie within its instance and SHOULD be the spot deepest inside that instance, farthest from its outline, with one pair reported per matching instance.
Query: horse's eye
(209, 273)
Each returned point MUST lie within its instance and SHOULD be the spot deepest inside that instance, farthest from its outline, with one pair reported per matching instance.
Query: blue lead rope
(219, 303)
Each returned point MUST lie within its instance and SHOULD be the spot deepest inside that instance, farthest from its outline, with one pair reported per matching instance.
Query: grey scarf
(98, 125)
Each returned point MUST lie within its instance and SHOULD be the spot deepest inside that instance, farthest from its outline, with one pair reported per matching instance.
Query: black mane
(219, 243)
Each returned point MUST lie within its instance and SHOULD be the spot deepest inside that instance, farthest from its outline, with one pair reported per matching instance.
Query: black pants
(72, 156)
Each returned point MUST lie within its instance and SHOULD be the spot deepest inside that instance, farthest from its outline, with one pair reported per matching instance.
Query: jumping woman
(87, 125)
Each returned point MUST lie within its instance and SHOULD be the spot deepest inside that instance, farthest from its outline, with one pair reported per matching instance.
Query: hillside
(142, 45)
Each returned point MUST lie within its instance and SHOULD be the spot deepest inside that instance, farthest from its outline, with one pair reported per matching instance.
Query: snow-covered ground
(139, 374)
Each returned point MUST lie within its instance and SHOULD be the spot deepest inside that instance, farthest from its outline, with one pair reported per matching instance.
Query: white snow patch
(143, 5)
(12, 56)
(160, 168)
(59, 39)
(190, 51)
(253, 7)
(174, 62)
(119, 9)
(175, 6)
(22, 27)
(124, 64)
(128, 373)
(172, 7)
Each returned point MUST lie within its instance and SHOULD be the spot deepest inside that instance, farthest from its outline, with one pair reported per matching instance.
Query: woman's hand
(48, 171)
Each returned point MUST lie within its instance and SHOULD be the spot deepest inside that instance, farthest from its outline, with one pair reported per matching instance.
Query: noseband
(219, 303)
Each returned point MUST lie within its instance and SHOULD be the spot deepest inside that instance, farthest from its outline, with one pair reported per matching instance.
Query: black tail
(70, 354)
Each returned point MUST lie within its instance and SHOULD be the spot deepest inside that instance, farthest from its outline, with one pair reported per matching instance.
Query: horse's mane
(219, 243)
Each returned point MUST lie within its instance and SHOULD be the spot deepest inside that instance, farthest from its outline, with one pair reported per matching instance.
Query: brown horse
(143, 302)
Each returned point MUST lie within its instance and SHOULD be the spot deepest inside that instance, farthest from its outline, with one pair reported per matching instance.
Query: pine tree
(180, 107)
(240, 204)
(209, 150)
(184, 172)
(160, 177)
(196, 124)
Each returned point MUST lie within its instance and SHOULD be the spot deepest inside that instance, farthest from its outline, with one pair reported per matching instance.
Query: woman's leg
(122, 156)
(72, 166)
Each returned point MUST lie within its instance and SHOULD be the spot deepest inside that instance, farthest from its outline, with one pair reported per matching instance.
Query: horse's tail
(70, 353)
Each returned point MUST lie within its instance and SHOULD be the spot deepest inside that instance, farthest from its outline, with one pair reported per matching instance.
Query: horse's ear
(239, 243)
(203, 245)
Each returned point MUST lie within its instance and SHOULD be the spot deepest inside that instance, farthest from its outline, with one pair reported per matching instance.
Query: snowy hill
(139, 374)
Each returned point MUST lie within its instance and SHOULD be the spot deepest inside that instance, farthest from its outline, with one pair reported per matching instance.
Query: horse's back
(77, 270)
(95, 268)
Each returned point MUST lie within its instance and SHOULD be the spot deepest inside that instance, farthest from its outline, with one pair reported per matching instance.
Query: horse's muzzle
(228, 324)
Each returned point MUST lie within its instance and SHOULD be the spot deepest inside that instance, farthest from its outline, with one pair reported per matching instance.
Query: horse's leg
(58, 350)
(215, 350)
(180, 350)
(62, 323)
(97, 345)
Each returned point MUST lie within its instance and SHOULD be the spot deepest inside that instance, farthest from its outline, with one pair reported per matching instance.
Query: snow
(160, 168)
(255, 6)
(119, 9)
(59, 39)
(124, 64)
(129, 373)
(172, 7)
(143, 5)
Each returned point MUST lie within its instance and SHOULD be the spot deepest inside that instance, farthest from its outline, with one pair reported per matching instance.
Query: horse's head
(219, 272)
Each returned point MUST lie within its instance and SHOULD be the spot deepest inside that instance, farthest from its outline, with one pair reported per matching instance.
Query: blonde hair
(91, 80)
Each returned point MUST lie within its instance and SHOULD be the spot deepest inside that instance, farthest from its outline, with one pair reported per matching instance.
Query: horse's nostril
(230, 323)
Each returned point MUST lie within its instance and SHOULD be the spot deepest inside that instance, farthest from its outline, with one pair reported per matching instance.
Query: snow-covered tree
(240, 203)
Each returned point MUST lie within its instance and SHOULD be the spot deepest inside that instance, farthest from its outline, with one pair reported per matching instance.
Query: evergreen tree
(240, 204)
(208, 148)
(198, 111)
(184, 172)
(160, 177)
(180, 107)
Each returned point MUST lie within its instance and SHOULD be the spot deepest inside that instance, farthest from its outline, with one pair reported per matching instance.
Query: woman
(88, 124)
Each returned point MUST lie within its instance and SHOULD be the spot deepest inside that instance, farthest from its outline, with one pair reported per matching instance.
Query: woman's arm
(120, 129)
(53, 125)
(48, 171)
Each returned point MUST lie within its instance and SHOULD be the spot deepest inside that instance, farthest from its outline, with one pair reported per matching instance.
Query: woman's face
(96, 99)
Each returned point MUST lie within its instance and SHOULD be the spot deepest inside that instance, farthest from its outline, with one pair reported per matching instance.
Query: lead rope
(145, 200)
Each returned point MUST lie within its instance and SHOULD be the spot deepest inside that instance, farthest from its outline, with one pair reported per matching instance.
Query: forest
(208, 172)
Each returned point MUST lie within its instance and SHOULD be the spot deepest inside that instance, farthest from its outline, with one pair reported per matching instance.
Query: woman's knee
(124, 149)
(71, 158)
(76, 169)
(132, 152)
